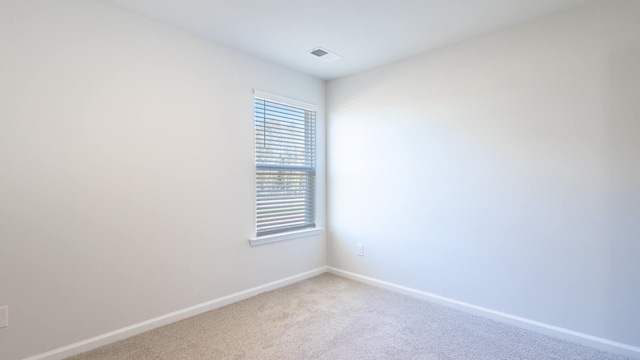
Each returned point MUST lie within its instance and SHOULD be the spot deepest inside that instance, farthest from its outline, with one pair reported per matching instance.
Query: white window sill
(268, 239)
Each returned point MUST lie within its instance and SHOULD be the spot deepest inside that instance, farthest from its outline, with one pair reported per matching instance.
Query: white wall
(126, 172)
(503, 171)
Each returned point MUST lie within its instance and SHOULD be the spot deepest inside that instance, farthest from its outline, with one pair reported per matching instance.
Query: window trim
(283, 100)
(295, 233)
(283, 236)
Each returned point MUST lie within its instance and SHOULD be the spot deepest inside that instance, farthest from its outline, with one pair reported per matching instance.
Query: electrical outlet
(360, 250)
(4, 317)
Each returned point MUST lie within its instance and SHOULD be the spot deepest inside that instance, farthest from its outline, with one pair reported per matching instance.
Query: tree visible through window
(285, 140)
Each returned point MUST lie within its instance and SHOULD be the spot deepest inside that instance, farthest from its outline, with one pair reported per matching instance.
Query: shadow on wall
(623, 171)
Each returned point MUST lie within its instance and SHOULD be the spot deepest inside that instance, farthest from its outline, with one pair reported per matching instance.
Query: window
(285, 148)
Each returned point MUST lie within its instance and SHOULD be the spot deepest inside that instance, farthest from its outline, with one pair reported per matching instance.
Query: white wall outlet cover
(360, 250)
(4, 317)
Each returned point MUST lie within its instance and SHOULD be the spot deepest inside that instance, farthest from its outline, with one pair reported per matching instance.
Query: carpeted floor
(329, 317)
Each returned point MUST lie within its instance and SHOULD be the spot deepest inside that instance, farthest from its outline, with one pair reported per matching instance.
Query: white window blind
(285, 140)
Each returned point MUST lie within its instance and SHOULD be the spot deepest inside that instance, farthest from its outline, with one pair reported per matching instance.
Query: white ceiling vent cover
(325, 55)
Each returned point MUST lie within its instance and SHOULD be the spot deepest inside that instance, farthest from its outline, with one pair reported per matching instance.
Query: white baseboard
(123, 333)
(126, 332)
(539, 327)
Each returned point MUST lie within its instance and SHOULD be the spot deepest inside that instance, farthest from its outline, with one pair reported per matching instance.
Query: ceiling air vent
(325, 55)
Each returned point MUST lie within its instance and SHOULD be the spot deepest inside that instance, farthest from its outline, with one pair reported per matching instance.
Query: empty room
(319, 179)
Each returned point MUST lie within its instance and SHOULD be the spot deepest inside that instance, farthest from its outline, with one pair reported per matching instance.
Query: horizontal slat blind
(285, 141)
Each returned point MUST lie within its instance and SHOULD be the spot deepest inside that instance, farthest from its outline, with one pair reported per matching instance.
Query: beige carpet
(329, 317)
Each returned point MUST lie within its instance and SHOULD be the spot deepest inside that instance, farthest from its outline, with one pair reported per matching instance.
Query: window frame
(296, 232)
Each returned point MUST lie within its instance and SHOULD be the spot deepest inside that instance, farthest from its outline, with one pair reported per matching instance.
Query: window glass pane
(285, 167)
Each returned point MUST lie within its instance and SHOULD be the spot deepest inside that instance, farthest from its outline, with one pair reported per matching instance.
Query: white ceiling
(366, 33)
